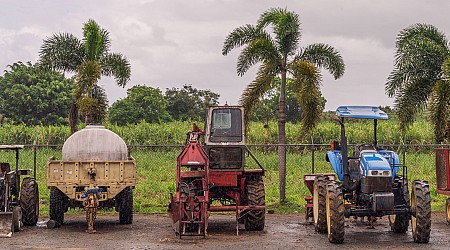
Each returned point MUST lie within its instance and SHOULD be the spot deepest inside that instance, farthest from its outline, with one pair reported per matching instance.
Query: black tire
(319, 204)
(399, 223)
(447, 205)
(255, 219)
(29, 201)
(58, 202)
(335, 213)
(126, 206)
(421, 207)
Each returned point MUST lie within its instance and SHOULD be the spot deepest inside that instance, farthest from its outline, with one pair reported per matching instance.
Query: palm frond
(61, 52)
(117, 65)
(96, 40)
(306, 85)
(257, 51)
(323, 56)
(286, 27)
(253, 93)
(239, 37)
(86, 79)
(439, 106)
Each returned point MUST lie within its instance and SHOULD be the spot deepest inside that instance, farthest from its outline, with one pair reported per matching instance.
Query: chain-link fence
(156, 165)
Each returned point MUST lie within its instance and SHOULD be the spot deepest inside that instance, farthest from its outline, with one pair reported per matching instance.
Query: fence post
(312, 159)
(404, 153)
(34, 159)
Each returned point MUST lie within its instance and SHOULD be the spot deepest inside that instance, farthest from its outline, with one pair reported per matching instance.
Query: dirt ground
(289, 231)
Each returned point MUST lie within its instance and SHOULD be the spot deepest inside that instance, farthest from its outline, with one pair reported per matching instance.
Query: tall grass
(175, 133)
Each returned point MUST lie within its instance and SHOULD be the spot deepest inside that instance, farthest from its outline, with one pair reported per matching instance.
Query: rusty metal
(90, 205)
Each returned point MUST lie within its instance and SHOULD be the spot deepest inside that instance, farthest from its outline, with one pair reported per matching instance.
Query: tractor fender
(335, 158)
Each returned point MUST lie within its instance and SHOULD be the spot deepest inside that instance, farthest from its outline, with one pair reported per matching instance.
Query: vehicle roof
(2, 147)
(361, 112)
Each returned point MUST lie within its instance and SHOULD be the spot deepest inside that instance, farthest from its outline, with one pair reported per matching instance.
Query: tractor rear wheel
(255, 219)
(335, 213)
(421, 207)
(126, 206)
(29, 201)
(448, 210)
(399, 223)
(58, 202)
(319, 204)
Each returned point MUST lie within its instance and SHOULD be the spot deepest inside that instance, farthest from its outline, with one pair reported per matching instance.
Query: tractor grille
(371, 184)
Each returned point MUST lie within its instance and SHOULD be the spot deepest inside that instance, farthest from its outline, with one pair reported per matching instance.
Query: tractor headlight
(384, 173)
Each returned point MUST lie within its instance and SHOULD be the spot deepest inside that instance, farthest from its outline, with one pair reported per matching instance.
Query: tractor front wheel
(126, 206)
(319, 204)
(255, 219)
(335, 213)
(421, 211)
(58, 202)
(29, 201)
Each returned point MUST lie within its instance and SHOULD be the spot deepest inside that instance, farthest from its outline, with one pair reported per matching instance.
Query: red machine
(213, 179)
(443, 176)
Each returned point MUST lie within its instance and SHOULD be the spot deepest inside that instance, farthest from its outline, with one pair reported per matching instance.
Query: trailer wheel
(319, 204)
(255, 219)
(58, 201)
(399, 223)
(335, 213)
(448, 210)
(126, 206)
(29, 201)
(421, 211)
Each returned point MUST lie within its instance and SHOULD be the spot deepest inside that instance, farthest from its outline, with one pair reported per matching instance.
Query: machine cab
(225, 138)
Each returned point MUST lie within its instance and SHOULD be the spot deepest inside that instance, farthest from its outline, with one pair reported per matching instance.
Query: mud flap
(6, 224)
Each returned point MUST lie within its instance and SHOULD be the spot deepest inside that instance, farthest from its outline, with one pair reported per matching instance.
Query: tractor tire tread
(255, 219)
(335, 213)
(126, 206)
(58, 202)
(320, 183)
(29, 201)
(422, 231)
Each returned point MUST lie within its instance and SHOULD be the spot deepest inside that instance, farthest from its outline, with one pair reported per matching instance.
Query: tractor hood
(373, 161)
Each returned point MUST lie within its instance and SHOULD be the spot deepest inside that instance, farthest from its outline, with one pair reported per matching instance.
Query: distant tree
(89, 59)
(421, 76)
(189, 103)
(31, 96)
(141, 104)
(273, 44)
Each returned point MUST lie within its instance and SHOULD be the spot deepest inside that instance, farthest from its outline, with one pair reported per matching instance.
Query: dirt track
(155, 232)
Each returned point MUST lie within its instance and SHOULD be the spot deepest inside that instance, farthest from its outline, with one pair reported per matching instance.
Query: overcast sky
(171, 43)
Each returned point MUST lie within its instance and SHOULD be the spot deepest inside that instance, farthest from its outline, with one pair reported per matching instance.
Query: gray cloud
(171, 43)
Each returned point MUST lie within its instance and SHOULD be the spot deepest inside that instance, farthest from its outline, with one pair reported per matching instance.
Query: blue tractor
(372, 183)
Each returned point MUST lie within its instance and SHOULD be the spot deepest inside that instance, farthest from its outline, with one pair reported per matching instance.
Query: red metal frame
(189, 210)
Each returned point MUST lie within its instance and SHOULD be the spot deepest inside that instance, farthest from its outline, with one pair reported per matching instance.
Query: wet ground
(289, 231)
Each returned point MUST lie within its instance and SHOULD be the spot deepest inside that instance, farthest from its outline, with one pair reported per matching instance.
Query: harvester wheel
(255, 219)
(126, 206)
(58, 202)
(335, 213)
(421, 211)
(29, 201)
(448, 210)
(399, 223)
(319, 204)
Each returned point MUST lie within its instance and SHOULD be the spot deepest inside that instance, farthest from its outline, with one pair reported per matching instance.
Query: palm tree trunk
(73, 117)
(282, 137)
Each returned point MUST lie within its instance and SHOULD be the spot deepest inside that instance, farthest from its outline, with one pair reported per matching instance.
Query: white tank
(94, 142)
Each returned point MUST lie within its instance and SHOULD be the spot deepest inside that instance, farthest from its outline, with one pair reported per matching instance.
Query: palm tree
(418, 77)
(279, 55)
(89, 59)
